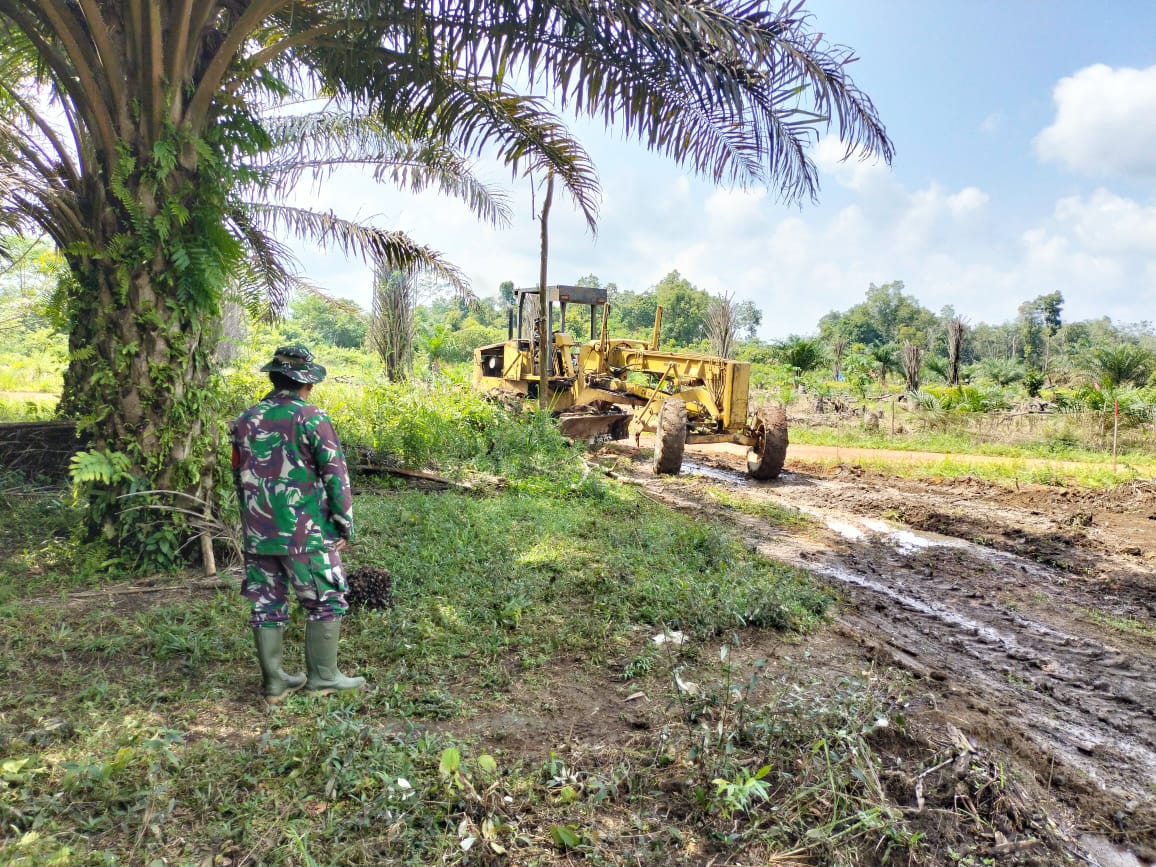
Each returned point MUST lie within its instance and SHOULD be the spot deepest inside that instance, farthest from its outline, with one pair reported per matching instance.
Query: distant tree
(1037, 322)
(988, 342)
(683, 310)
(886, 315)
(839, 344)
(323, 319)
(632, 313)
(506, 291)
(749, 318)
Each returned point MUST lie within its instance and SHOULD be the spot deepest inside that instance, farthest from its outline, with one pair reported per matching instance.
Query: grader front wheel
(765, 458)
(670, 438)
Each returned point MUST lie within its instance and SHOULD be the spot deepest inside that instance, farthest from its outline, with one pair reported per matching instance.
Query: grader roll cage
(612, 387)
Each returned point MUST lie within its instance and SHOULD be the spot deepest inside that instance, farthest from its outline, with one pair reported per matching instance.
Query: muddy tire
(670, 438)
(765, 458)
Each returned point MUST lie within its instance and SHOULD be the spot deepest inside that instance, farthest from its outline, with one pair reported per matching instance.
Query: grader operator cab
(601, 386)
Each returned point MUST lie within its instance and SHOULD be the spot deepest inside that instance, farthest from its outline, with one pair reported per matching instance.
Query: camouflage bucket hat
(295, 362)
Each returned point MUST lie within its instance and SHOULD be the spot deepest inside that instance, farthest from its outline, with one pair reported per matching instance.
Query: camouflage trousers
(317, 578)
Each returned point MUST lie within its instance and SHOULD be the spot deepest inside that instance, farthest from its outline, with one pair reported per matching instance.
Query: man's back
(291, 477)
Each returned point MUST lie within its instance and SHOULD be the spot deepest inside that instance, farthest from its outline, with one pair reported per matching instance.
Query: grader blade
(587, 426)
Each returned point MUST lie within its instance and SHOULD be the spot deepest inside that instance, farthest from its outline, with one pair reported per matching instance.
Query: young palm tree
(803, 354)
(1118, 364)
(886, 359)
(139, 135)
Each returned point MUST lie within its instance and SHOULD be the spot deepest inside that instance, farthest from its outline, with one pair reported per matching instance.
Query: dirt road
(1029, 614)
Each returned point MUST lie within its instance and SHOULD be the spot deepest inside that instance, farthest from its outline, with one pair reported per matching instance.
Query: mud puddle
(1047, 663)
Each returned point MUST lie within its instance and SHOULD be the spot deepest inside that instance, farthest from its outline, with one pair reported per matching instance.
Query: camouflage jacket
(291, 479)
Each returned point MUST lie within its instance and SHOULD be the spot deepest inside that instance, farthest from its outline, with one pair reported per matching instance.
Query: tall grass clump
(440, 424)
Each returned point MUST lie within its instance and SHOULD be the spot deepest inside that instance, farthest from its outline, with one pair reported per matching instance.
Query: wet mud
(1028, 613)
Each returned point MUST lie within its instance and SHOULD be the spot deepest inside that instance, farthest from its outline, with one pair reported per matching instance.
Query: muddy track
(1011, 620)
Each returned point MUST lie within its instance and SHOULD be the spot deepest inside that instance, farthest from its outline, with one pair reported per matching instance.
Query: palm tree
(143, 137)
(1001, 371)
(393, 327)
(803, 354)
(886, 359)
(1119, 364)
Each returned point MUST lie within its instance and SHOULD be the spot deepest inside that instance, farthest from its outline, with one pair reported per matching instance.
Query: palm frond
(393, 250)
(269, 277)
(319, 143)
(737, 89)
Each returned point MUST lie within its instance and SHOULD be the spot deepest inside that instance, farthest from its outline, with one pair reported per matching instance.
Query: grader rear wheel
(765, 458)
(670, 438)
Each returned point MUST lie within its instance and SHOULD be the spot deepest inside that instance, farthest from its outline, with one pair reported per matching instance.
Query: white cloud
(950, 245)
(854, 173)
(1107, 223)
(1105, 122)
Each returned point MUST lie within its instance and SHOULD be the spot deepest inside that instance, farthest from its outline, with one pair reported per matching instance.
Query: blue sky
(1025, 137)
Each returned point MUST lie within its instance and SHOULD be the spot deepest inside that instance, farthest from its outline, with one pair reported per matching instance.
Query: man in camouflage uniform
(296, 516)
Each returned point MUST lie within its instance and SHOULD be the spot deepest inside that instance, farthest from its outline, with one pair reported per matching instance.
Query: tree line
(889, 335)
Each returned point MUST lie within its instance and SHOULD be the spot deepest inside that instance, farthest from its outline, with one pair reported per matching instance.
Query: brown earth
(1027, 614)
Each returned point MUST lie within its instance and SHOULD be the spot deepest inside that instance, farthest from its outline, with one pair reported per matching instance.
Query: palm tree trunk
(140, 360)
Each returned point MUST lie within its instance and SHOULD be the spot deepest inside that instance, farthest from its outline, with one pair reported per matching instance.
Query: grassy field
(133, 731)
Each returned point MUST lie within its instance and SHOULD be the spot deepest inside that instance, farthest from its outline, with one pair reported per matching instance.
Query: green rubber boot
(321, 659)
(277, 684)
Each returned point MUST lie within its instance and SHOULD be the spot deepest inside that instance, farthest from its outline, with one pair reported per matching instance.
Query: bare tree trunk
(838, 352)
(543, 311)
(912, 359)
(722, 315)
(956, 329)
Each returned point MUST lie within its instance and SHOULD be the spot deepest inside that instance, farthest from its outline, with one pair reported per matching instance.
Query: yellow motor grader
(606, 387)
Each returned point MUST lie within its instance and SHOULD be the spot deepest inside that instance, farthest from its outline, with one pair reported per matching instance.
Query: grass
(1045, 462)
(770, 512)
(1127, 625)
(134, 731)
(1006, 472)
(854, 436)
(27, 407)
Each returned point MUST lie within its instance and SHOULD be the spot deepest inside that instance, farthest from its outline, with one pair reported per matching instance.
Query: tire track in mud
(995, 630)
